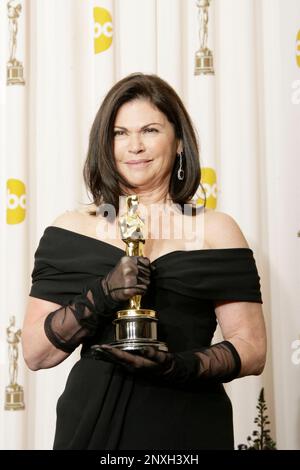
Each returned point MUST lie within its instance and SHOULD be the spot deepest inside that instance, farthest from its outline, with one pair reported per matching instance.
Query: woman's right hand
(130, 277)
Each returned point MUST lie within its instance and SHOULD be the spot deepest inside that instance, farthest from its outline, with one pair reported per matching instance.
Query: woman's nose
(136, 144)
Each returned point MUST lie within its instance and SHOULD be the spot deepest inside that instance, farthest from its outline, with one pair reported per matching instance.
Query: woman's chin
(139, 180)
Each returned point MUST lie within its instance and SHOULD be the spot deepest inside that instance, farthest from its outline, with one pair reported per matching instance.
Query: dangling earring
(180, 172)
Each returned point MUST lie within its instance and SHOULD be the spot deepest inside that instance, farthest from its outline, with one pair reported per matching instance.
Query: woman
(142, 142)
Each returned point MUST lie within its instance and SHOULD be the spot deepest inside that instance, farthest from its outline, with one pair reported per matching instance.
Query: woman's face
(145, 146)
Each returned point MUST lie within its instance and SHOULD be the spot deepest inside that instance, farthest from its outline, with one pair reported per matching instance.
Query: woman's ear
(180, 147)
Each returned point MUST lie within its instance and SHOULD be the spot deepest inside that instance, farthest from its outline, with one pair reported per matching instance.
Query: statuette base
(14, 398)
(204, 62)
(15, 74)
(136, 329)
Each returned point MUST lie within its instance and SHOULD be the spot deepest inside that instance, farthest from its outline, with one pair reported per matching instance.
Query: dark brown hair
(100, 172)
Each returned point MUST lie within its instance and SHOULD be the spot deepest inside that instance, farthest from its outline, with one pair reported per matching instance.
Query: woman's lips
(138, 163)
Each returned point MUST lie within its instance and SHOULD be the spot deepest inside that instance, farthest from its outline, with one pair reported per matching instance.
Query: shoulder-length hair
(100, 172)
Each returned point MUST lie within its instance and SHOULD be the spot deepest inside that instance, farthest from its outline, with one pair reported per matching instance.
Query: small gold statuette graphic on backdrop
(135, 327)
(14, 67)
(14, 395)
(204, 62)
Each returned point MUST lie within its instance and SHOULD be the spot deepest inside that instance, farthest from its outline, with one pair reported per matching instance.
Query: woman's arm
(241, 323)
(52, 331)
(38, 352)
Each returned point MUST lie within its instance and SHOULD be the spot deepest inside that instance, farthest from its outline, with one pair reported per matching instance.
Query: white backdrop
(247, 117)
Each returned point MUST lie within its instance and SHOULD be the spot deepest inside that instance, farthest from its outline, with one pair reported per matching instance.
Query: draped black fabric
(104, 407)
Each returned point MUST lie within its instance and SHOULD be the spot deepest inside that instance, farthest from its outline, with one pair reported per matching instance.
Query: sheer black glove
(130, 277)
(220, 362)
(67, 326)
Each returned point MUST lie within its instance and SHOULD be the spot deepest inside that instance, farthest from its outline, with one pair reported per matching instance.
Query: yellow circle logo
(15, 202)
(103, 29)
(209, 183)
(298, 49)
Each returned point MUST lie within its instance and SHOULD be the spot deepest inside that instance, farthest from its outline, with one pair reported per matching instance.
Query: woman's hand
(219, 362)
(148, 359)
(130, 277)
(174, 368)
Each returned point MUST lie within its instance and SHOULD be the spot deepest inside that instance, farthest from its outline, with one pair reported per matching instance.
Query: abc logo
(16, 202)
(208, 181)
(103, 29)
(298, 49)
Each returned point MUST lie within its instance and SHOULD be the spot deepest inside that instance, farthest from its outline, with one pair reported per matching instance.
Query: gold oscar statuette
(14, 67)
(135, 327)
(14, 395)
(204, 62)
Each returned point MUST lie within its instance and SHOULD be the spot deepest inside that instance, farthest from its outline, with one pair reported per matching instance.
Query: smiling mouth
(138, 162)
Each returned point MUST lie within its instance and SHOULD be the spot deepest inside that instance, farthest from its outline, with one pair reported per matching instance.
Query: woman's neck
(155, 196)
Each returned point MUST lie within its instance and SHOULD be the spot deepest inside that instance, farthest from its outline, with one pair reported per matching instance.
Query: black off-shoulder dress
(104, 407)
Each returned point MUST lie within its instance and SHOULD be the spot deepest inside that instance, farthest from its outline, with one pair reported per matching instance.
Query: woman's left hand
(147, 359)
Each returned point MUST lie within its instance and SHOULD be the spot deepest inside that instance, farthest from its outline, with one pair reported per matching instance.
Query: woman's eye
(151, 129)
(148, 130)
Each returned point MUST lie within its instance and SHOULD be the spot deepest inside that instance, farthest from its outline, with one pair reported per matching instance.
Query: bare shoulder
(222, 231)
(67, 219)
(75, 220)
